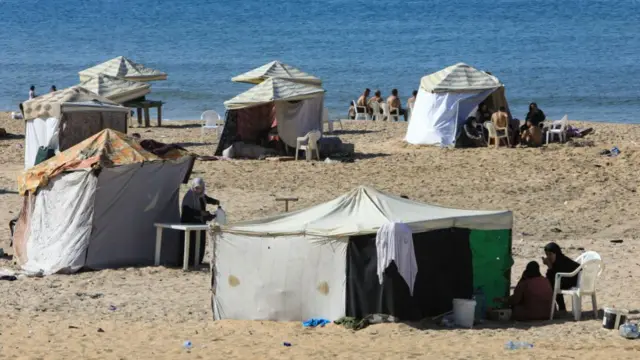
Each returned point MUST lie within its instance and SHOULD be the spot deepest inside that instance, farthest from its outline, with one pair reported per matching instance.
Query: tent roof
(273, 89)
(50, 105)
(116, 89)
(276, 69)
(123, 68)
(107, 148)
(364, 210)
(459, 78)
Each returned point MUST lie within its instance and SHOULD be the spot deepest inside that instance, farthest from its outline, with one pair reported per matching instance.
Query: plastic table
(187, 228)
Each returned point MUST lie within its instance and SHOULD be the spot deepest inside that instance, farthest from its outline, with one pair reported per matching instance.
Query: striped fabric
(276, 69)
(49, 105)
(115, 89)
(122, 67)
(459, 78)
(273, 89)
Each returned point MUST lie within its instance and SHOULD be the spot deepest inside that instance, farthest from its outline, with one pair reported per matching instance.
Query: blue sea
(580, 57)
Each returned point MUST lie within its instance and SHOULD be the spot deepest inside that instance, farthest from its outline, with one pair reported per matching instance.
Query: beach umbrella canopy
(116, 89)
(121, 67)
(276, 69)
(459, 78)
(273, 89)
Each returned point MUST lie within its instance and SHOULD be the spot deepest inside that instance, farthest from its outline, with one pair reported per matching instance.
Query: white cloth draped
(394, 242)
(296, 119)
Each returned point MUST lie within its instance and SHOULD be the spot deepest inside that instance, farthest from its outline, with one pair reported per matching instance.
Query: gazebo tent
(276, 69)
(445, 100)
(94, 206)
(116, 89)
(64, 118)
(124, 68)
(321, 261)
(294, 107)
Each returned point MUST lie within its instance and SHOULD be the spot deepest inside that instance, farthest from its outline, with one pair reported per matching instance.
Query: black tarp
(445, 272)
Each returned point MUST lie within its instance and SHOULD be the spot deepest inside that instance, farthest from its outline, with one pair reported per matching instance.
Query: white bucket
(464, 312)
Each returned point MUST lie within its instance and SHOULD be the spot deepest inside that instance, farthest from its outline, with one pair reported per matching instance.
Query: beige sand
(590, 198)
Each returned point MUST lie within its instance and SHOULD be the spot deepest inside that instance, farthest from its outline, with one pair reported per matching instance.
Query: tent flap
(276, 69)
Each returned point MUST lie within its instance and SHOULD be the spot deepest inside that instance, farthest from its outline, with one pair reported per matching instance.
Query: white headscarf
(192, 197)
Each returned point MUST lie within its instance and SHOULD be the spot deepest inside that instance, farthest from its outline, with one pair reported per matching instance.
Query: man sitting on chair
(500, 120)
(395, 106)
(362, 104)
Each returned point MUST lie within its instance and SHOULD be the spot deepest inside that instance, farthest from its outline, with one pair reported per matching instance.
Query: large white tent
(445, 100)
(94, 206)
(122, 67)
(296, 108)
(295, 266)
(276, 69)
(63, 118)
(116, 89)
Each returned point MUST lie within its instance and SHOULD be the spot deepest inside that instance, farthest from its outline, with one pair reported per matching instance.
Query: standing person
(194, 211)
(532, 297)
(395, 106)
(32, 92)
(53, 88)
(557, 262)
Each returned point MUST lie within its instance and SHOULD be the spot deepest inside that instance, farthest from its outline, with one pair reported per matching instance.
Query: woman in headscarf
(557, 262)
(194, 211)
(532, 297)
(470, 136)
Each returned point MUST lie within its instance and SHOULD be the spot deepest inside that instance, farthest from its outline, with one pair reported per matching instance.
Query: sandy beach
(567, 193)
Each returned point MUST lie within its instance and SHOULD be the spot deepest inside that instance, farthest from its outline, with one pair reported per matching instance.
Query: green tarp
(492, 261)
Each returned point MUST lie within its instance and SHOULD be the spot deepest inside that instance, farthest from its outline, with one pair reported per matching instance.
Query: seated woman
(532, 297)
(194, 211)
(557, 262)
(470, 136)
(532, 136)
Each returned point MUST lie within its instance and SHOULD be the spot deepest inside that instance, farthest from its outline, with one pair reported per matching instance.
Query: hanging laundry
(394, 242)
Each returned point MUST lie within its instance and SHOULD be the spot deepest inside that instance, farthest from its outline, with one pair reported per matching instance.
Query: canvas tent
(321, 261)
(276, 69)
(116, 89)
(124, 68)
(64, 118)
(294, 107)
(445, 100)
(94, 206)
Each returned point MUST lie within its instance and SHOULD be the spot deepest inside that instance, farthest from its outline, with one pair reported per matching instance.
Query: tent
(116, 89)
(276, 69)
(64, 118)
(121, 67)
(321, 261)
(445, 100)
(294, 107)
(94, 206)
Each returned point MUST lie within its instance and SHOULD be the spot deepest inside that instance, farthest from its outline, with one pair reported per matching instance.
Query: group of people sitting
(475, 134)
(533, 296)
(364, 104)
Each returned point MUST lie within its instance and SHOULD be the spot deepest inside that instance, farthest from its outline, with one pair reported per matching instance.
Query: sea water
(579, 57)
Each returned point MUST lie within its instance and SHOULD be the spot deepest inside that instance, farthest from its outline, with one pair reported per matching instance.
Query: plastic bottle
(516, 345)
(221, 216)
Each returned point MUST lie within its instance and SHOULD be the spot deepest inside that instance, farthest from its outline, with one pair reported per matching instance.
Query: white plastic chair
(311, 140)
(211, 120)
(591, 266)
(359, 115)
(493, 134)
(559, 128)
(329, 122)
(375, 107)
(394, 113)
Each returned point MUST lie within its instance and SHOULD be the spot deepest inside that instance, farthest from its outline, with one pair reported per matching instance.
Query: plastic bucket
(464, 312)
(613, 318)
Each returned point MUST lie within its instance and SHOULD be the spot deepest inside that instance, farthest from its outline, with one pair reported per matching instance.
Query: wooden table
(286, 201)
(187, 228)
(146, 105)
